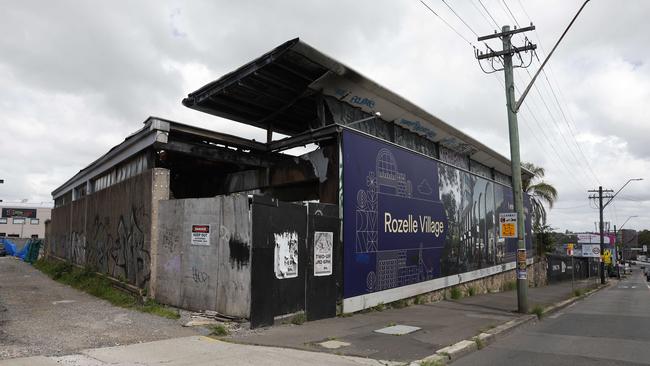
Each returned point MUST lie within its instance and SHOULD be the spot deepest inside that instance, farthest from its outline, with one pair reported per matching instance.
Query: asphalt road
(611, 327)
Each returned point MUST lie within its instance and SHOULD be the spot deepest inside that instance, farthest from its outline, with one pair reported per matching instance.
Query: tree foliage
(541, 192)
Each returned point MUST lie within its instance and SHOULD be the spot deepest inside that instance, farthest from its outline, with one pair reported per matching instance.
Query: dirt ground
(39, 316)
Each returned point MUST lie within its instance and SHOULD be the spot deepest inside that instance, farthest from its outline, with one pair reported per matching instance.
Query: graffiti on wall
(108, 235)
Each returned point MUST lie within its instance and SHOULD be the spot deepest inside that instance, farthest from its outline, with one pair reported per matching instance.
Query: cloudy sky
(77, 77)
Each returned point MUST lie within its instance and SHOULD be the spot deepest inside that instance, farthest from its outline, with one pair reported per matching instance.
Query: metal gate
(293, 260)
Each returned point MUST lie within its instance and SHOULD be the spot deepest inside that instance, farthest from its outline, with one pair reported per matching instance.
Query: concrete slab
(29, 361)
(398, 330)
(333, 344)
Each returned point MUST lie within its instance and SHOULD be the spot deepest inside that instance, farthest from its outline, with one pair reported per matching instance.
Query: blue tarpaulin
(24, 253)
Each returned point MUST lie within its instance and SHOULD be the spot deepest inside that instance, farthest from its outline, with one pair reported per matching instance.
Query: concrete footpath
(197, 350)
(439, 325)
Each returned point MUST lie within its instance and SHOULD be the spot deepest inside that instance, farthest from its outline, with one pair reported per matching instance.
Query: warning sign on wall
(200, 235)
(508, 224)
(323, 244)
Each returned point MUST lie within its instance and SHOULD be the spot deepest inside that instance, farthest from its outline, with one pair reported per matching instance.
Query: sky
(77, 77)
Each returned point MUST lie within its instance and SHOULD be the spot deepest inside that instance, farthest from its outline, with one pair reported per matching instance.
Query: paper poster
(323, 249)
(286, 255)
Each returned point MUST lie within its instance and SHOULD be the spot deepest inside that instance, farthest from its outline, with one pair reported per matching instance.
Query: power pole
(513, 106)
(513, 129)
(601, 207)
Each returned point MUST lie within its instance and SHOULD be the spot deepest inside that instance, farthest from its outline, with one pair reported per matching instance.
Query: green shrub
(456, 293)
(219, 330)
(298, 319)
(538, 310)
(399, 304)
(471, 291)
(419, 300)
(510, 285)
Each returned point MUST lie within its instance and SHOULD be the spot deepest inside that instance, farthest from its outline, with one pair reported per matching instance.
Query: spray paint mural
(114, 241)
(409, 218)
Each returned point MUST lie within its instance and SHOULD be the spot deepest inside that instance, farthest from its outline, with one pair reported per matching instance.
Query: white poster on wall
(200, 235)
(323, 249)
(286, 255)
(591, 250)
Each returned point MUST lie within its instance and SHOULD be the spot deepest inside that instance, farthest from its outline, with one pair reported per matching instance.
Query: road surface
(611, 327)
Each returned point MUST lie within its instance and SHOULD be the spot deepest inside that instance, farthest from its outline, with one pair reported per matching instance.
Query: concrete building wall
(209, 275)
(25, 227)
(109, 230)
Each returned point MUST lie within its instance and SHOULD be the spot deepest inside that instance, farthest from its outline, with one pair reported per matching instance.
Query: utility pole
(513, 129)
(601, 226)
(513, 106)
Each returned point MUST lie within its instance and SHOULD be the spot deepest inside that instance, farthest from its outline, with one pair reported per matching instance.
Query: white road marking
(633, 287)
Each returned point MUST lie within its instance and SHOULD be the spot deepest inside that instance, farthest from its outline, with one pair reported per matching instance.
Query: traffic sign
(508, 224)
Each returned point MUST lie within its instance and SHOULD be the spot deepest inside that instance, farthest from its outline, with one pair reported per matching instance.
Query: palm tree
(540, 192)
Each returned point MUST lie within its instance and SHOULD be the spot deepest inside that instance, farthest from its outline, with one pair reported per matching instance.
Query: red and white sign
(200, 235)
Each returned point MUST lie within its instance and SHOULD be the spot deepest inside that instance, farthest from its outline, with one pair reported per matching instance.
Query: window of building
(35, 236)
(18, 220)
(13, 235)
(34, 221)
(2, 235)
(3, 220)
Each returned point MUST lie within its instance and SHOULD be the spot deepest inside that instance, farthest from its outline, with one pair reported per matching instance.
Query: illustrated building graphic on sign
(392, 268)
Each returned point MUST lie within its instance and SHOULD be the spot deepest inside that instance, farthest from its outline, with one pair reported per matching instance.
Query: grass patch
(510, 285)
(298, 319)
(480, 344)
(419, 300)
(379, 307)
(86, 280)
(456, 293)
(577, 292)
(432, 363)
(219, 330)
(399, 304)
(538, 310)
(471, 291)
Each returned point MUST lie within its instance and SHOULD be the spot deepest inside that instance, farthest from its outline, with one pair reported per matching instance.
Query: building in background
(24, 220)
(629, 240)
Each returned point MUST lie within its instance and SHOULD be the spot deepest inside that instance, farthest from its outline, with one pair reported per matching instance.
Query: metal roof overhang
(278, 90)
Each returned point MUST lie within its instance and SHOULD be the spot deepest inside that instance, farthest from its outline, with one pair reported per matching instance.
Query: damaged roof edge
(495, 159)
(155, 129)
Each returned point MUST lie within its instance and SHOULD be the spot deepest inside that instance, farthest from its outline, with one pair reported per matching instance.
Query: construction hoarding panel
(409, 219)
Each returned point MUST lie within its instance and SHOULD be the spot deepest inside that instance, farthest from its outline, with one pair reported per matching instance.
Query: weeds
(471, 291)
(86, 280)
(219, 330)
(419, 300)
(379, 307)
(480, 344)
(538, 310)
(432, 363)
(510, 285)
(456, 293)
(399, 304)
(298, 319)
(577, 292)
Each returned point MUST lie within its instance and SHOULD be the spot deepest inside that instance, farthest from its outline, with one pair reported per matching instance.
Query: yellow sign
(607, 256)
(508, 224)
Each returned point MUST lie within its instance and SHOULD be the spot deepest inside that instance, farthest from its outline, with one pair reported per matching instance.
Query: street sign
(645, 248)
(569, 250)
(591, 250)
(508, 224)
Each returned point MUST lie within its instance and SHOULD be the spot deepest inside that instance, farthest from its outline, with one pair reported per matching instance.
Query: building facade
(19, 220)
(390, 202)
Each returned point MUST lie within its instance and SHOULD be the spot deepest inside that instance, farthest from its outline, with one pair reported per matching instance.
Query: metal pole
(602, 239)
(522, 278)
(616, 254)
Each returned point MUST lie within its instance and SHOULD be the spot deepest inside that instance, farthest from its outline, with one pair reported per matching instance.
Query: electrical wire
(461, 19)
(448, 25)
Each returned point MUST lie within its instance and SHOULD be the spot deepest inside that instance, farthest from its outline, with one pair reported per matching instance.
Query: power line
(488, 13)
(448, 25)
(512, 15)
(461, 19)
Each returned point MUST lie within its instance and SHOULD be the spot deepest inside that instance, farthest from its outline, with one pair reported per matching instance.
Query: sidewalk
(442, 324)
